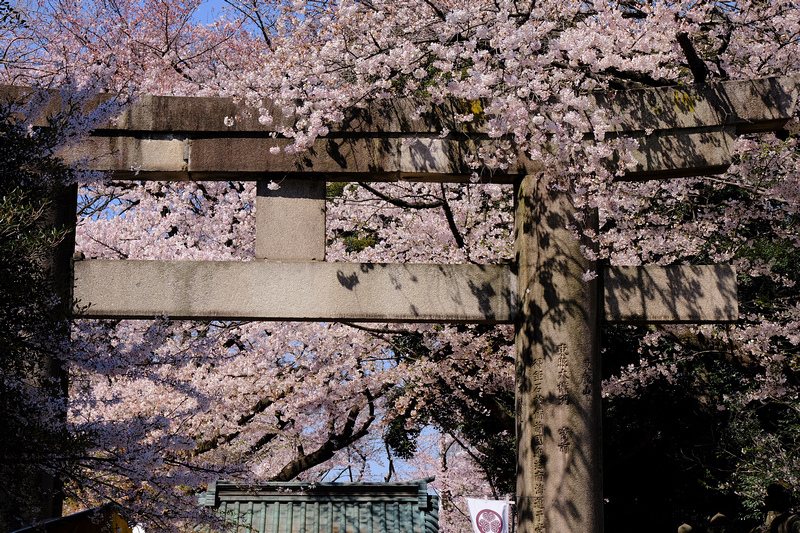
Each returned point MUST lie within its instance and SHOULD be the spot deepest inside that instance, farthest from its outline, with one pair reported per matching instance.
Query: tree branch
(401, 203)
(336, 440)
(696, 65)
(451, 221)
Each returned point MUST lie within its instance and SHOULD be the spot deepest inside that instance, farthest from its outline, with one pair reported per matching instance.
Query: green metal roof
(299, 507)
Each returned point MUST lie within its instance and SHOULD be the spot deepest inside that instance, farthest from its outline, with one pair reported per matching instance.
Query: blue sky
(208, 10)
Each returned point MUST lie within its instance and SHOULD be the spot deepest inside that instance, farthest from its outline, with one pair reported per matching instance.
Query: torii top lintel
(691, 130)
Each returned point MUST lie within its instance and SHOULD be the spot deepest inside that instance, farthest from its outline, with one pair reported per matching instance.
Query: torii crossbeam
(557, 314)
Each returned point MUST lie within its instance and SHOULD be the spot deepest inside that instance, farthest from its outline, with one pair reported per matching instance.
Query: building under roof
(300, 507)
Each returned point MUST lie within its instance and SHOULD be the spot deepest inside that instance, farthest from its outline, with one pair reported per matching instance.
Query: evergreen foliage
(36, 445)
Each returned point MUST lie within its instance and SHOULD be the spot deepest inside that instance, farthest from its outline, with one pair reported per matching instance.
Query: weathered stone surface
(674, 154)
(243, 158)
(559, 463)
(290, 221)
(672, 294)
(127, 157)
(682, 131)
(142, 289)
(313, 291)
(751, 105)
(660, 155)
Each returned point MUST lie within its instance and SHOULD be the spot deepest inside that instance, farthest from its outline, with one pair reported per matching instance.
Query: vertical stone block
(290, 221)
(559, 477)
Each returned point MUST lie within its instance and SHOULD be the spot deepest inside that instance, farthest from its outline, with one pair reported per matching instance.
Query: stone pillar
(290, 221)
(559, 477)
(62, 215)
(35, 495)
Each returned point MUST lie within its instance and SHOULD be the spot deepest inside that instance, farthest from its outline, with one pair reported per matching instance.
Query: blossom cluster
(174, 405)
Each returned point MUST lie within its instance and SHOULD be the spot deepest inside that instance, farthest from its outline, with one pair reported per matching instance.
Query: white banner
(488, 516)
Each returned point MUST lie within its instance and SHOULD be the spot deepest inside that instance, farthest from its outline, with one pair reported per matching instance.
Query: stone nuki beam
(184, 138)
(672, 294)
(308, 291)
(317, 291)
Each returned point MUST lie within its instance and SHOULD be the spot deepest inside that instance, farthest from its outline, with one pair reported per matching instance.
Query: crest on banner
(488, 516)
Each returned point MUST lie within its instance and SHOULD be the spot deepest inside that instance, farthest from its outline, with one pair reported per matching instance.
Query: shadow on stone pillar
(559, 477)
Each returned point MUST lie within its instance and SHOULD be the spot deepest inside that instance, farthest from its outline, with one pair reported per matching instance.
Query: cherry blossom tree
(35, 246)
(171, 406)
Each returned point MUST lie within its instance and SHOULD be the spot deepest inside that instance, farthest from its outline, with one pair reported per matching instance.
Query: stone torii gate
(557, 315)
